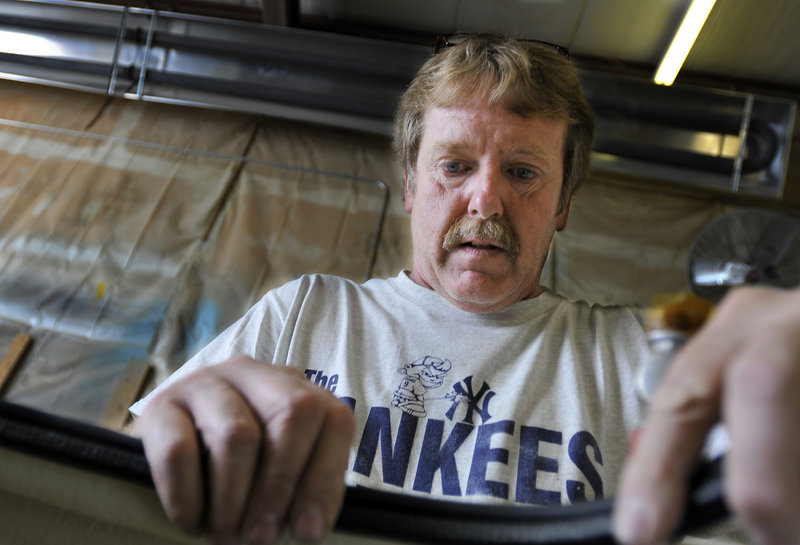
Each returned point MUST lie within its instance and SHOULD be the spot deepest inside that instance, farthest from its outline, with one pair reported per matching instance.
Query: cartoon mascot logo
(419, 376)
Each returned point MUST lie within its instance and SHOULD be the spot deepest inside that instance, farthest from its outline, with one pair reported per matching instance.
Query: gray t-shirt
(532, 404)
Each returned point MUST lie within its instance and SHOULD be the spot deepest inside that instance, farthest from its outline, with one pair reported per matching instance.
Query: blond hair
(526, 78)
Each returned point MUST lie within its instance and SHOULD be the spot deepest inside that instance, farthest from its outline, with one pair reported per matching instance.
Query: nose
(486, 199)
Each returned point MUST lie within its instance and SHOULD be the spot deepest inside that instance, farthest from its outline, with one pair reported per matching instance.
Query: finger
(682, 411)
(763, 465)
(320, 492)
(293, 416)
(233, 437)
(171, 447)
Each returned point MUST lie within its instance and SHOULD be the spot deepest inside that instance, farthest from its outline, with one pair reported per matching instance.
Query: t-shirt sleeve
(255, 334)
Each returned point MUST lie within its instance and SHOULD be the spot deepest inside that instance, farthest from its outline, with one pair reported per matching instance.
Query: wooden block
(129, 386)
(15, 352)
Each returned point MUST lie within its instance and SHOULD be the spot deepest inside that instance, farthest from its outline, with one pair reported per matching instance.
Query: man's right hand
(241, 449)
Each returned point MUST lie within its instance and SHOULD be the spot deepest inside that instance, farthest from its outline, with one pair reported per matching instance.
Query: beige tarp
(135, 231)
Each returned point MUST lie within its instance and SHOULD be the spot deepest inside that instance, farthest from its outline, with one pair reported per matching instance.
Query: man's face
(485, 166)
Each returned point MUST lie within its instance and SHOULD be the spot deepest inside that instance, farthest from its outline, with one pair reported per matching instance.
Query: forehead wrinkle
(460, 136)
(452, 146)
(531, 150)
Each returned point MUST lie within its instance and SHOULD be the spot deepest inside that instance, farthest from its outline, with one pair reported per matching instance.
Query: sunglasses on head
(443, 41)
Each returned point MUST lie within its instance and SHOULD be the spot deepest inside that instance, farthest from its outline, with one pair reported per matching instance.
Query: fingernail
(634, 522)
(310, 525)
(633, 440)
(265, 531)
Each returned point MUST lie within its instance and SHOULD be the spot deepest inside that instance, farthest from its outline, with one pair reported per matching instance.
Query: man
(529, 397)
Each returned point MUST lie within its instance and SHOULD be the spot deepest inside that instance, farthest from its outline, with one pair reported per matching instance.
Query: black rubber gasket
(366, 511)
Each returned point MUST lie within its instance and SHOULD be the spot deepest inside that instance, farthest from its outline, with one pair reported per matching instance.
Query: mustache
(492, 231)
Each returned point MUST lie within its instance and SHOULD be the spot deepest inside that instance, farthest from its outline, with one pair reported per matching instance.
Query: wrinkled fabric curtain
(138, 231)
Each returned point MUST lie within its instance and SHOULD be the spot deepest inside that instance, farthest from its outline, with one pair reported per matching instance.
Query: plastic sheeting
(137, 231)
(626, 244)
(114, 249)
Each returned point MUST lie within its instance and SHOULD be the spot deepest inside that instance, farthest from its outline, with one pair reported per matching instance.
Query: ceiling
(744, 45)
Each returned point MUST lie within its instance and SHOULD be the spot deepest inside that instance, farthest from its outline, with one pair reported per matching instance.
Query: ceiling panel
(743, 40)
(548, 20)
(757, 41)
(635, 32)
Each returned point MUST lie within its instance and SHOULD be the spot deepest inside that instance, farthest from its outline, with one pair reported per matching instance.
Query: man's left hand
(743, 369)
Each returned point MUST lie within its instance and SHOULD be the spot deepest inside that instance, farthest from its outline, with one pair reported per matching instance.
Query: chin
(481, 300)
(482, 294)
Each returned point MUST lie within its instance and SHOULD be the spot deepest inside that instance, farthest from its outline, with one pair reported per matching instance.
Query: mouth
(480, 245)
(483, 236)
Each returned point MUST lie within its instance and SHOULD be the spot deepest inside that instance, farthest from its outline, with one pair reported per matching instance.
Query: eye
(522, 173)
(452, 167)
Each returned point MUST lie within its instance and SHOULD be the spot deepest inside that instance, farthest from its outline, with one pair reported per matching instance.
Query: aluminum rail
(184, 59)
(386, 516)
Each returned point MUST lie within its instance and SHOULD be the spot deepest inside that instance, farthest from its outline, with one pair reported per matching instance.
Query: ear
(561, 217)
(408, 194)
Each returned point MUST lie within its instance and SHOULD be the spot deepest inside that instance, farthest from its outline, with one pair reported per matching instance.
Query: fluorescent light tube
(683, 40)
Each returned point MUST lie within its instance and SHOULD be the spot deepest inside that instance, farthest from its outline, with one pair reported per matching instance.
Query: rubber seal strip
(366, 511)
